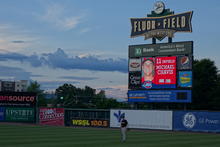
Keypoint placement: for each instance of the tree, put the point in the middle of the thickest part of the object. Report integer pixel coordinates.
(205, 85)
(35, 87)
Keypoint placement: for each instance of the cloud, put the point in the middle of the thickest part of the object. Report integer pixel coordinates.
(85, 30)
(78, 78)
(60, 59)
(51, 85)
(13, 73)
(18, 41)
(58, 15)
(13, 38)
(119, 92)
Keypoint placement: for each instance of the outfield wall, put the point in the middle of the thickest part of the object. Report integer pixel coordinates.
(18, 107)
(199, 121)
(51, 116)
(87, 118)
(143, 119)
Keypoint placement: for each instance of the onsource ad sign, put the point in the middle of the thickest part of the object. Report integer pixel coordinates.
(17, 99)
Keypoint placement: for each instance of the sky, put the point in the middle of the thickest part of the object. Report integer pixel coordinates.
(85, 42)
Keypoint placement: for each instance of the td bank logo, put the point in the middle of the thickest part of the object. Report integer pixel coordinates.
(189, 120)
(138, 52)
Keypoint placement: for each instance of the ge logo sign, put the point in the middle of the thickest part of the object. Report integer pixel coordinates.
(189, 120)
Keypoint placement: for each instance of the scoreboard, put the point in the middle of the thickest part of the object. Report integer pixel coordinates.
(160, 72)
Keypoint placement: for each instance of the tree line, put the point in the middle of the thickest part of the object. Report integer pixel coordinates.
(205, 93)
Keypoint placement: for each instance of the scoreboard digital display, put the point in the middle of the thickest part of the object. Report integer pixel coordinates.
(166, 71)
(159, 72)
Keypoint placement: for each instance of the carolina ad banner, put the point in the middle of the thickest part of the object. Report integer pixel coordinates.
(196, 121)
(51, 116)
(17, 99)
(142, 119)
(20, 114)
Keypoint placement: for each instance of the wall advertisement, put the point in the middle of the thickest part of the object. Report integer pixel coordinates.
(90, 123)
(20, 114)
(142, 119)
(17, 99)
(2, 113)
(51, 116)
(196, 121)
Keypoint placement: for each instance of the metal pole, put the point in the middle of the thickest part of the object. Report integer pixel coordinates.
(153, 40)
(170, 40)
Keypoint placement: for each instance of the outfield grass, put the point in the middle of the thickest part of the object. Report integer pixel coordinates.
(46, 136)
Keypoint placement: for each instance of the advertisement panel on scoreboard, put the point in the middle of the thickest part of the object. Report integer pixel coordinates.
(161, 49)
(134, 81)
(178, 96)
(185, 79)
(159, 72)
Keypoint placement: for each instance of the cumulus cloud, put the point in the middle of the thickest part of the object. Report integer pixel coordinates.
(59, 59)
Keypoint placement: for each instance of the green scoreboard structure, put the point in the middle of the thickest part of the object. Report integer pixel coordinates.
(161, 72)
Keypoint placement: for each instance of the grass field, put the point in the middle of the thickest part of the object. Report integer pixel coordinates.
(12, 135)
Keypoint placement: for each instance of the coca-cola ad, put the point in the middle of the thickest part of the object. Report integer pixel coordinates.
(51, 116)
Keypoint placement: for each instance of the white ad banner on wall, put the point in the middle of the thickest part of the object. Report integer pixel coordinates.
(142, 119)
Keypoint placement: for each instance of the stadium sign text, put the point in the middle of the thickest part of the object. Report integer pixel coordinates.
(160, 27)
